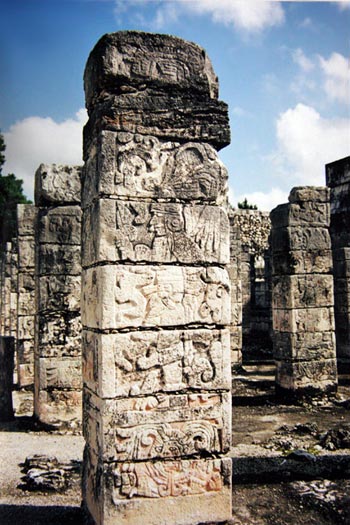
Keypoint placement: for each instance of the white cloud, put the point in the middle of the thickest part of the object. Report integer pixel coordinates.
(337, 77)
(344, 5)
(302, 61)
(307, 142)
(34, 140)
(265, 201)
(251, 16)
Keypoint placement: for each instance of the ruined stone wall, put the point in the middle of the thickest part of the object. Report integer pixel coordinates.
(57, 393)
(13, 293)
(338, 180)
(156, 294)
(26, 217)
(250, 229)
(303, 313)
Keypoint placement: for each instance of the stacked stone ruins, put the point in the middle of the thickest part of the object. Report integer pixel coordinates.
(26, 218)
(58, 383)
(303, 302)
(338, 180)
(155, 290)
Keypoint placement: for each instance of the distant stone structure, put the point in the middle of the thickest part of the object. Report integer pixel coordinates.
(155, 290)
(26, 217)
(338, 180)
(58, 383)
(251, 287)
(303, 312)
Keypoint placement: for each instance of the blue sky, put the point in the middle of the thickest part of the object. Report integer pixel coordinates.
(283, 69)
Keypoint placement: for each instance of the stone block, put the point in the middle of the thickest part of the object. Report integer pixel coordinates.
(303, 238)
(59, 334)
(176, 492)
(144, 167)
(154, 232)
(313, 194)
(57, 373)
(25, 374)
(302, 291)
(58, 405)
(59, 225)
(26, 253)
(302, 262)
(55, 259)
(57, 184)
(158, 61)
(340, 199)
(26, 216)
(25, 328)
(303, 320)
(315, 214)
(338, 172)
(116, 297)
(59, 293)
(157, 427)
(301, 346)
(315, 374)
(25, 351)
(144, 363)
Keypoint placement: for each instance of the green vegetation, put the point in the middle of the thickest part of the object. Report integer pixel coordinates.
(245, 205)
(11, 194)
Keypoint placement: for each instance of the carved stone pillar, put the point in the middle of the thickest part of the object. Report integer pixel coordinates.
(338, 180)
(26, 216)
(57, 393)
(302, 297)
(155, 290)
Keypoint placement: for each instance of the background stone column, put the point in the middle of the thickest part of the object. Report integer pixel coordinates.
(26, 216)
(155, 290)
(303, 313)
(57, 393)
(6, 290)
(234, 270)
(338, 180)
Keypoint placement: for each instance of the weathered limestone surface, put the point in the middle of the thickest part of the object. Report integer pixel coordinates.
(155, 290)
(7, 351)
(338, 180)
(26, 217)
(303, 303)
(58, 384)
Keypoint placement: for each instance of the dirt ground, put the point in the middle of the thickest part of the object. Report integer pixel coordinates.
(291, 463)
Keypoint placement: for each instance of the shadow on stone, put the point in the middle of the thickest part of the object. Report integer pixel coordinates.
(40, 515)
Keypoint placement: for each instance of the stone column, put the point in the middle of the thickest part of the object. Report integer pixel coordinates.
(338, 180)
(234, 270)
(26, 217)
(6, 290)
(155, 290)
(57, 393)
(7, 351)
(303, 312)
(13, 294)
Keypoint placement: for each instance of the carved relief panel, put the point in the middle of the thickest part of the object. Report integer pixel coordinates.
(142, 166)
(143, 363)
(176, 425)
(127, 296)
(155, 232)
